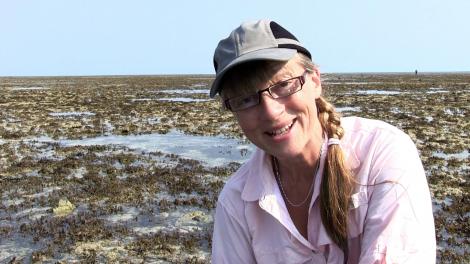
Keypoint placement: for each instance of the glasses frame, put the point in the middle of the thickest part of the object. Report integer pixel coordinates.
(301, 79)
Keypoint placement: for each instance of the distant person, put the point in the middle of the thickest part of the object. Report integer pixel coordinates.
(318, 188)
(416, 72)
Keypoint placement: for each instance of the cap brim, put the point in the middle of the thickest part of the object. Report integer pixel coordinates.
(274, 54)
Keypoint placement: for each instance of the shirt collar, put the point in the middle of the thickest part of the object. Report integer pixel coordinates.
(260, 181)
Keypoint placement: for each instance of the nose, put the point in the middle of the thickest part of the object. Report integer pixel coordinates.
(269, 106)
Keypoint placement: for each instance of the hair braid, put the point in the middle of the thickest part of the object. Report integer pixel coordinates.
(337, 183)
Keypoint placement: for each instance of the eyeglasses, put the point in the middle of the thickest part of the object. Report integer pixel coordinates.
(278, 90)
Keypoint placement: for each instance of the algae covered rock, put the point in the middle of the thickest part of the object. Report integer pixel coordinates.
(65, 207)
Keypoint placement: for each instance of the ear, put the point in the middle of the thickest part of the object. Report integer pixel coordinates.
(315, 77)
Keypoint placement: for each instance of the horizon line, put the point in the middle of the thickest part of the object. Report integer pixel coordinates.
(212, 75)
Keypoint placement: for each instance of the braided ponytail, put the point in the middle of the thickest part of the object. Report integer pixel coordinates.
(337, 181)
(337, 184)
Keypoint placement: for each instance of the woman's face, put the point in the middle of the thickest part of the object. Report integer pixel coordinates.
(285, 127)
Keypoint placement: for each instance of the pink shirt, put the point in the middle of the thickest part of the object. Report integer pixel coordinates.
(388, 223)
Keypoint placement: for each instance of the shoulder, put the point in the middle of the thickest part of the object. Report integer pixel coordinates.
(366, 134)
(244, 184)
(380, 147)
(233, 188)
(355, 125)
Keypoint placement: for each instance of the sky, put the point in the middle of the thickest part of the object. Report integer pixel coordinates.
(139, 37)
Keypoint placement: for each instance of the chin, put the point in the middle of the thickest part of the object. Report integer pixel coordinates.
(287, 153)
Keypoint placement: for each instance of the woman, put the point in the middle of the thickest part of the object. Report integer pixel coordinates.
(319, 188)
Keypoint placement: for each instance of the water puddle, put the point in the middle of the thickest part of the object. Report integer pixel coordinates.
(461, 155)
(212, 150)
(28, 88)
(438, 91)
(378, 92)
(438, 203)
(352, 83)
(10, 248)
(71, 114)
(454, 112)
(185, 91)
(142, 99)
(348, 109)
(182, 99)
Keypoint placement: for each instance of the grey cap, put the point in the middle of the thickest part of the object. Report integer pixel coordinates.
(254, 40)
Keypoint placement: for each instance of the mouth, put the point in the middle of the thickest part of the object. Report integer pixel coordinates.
(281, 131)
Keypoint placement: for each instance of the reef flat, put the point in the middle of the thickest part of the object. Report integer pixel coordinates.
(128, 168)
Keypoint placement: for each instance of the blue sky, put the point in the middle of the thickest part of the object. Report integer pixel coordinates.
(113, 37)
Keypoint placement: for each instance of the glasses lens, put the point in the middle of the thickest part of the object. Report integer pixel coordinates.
(285, 88)
(243, 102)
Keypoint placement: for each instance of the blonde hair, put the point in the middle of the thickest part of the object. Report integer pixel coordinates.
(337, 181)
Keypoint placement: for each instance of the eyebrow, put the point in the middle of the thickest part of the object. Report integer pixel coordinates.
(284, 76)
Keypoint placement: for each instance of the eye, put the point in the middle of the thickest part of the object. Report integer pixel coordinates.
(243, 102)
(284, 88)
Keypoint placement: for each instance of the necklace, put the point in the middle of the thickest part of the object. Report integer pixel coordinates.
(278, 178)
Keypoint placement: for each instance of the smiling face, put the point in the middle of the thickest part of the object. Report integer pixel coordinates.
(285, 127)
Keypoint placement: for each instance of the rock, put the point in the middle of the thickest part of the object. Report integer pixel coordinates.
(64, 208)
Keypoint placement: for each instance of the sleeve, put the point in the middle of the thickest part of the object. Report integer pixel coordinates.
(231, 241)
(399, 224)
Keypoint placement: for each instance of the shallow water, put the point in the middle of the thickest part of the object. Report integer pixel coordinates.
(185, 91)
(212, 150)
(182, 99)
(379, 92)
(348, 109)
(461, 155)
(29, 88)
(71, 114)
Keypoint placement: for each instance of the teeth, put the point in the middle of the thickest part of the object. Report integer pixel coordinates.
(281, 131)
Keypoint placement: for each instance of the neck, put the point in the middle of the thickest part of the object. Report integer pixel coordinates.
(302, 165)
(295, 186)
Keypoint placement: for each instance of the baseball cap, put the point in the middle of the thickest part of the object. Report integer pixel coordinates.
(254, 40)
